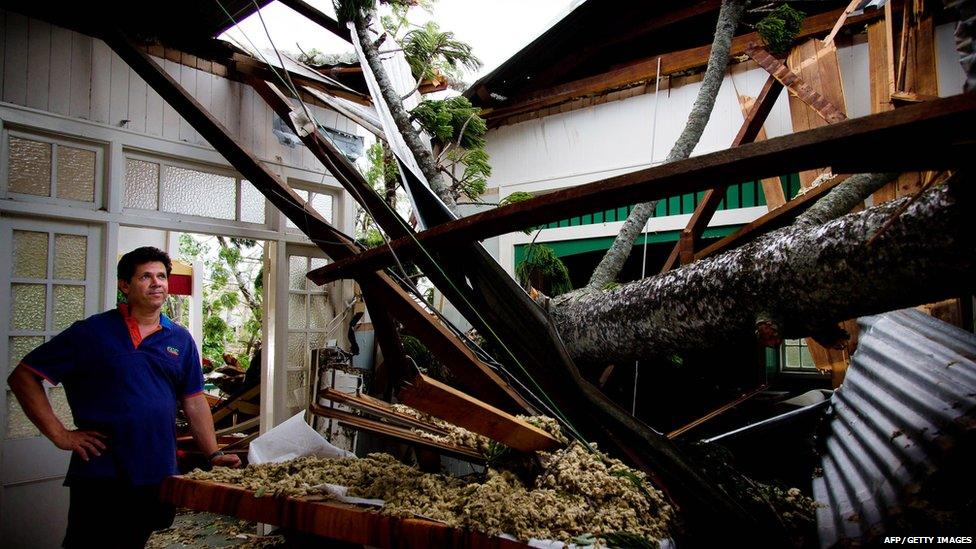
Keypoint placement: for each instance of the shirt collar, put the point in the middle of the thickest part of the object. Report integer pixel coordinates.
(164, 320)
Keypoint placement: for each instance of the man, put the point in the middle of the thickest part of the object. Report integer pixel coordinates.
(124, 371)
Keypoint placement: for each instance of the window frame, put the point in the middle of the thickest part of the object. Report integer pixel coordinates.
(56, 141)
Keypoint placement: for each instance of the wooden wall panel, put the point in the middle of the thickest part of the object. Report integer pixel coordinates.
(171, 120)
(79, 85)
(118, 109)
(3, 46)
(138, 97)
(15, 60)
(101, 81)
(187, 79)
(204, 89)
(59, 96)
(38, 63)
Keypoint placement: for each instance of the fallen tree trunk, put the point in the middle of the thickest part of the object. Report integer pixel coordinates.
(802, 279)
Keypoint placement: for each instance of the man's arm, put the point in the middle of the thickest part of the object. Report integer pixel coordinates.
(201, 425)
(29, 390)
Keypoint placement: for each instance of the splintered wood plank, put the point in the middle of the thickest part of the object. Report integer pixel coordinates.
(817, 66)
(330, 519)
(378, 408)
(447, 403)
(399, 433)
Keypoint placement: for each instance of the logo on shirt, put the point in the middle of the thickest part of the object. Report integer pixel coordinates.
(173, 351)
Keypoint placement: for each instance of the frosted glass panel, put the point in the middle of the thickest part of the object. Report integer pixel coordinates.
(319, 312)
(316, 263)
(198, 193)
(60, 404)
(29, 167)
(252, 203)
(297, 268)
(70, 256)
(69, 305)
(296, 351)
(30, 254)
(304, 195)
(18, 426)
(76, 174)
(141, 185)
(28, 310)
(20, 346)
(296, 311)
(323, 204)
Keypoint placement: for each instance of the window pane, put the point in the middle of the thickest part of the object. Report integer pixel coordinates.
(323, 204)
(297, 268)
(304, 195)
(30, 254)
(28, 310)
(316, 263)
(29, 167)
(806, 359)
(70, 256)
(792, 357)
(141, 185)
(18, 426)
(193, 192)
(296, 311)
(295, 358)
(76, 174)
(69, 305)
(19, 346)
(252, 203)
(319, 312)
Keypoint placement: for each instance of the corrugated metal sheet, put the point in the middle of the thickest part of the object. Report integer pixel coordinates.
(906, 409)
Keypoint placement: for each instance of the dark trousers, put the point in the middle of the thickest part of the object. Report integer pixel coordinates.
(113, 514)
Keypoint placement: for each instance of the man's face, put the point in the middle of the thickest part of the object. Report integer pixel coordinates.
(148, 287)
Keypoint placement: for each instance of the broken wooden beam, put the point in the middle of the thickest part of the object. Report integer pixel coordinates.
(401, 434)
(800, 89)
(447, 403)
(772, 220)
(378, 408)
(943, 122)
(316, 16)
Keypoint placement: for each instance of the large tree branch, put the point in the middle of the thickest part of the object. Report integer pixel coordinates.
(807, 277)
(718, 60)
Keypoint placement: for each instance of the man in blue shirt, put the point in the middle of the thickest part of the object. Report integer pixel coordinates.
(124, 373)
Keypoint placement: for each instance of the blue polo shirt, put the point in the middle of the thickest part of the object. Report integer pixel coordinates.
(124, 386)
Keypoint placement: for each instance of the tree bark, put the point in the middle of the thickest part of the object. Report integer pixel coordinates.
(718, 60)
(425, 159)
(806, 276)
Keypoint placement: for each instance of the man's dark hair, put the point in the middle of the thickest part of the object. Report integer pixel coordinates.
(139, 256)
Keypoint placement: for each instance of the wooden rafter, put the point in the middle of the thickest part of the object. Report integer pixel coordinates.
(944, 123)
(707, 206)
(385, 292)
(645, 70)
(380, 409)
(453, 406)
(316, 16)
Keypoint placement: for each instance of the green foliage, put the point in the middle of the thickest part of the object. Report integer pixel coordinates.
(611, 286)
(779, 28)
(372, 238)
(455, 124)
(381, 167)
(222, 298)
(517, 196)
(543, 270)
(431, 51)
(353, 10)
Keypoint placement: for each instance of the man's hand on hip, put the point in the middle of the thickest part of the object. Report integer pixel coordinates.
(83, 443)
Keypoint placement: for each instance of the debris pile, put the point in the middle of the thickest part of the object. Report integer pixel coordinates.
(579, 493)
